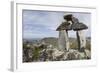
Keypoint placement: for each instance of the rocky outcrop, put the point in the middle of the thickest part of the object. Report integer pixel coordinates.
(46, 51)
(62, 55)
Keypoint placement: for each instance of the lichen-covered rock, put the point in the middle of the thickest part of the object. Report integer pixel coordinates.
(59, 55)
(49, 53)
(76, 55)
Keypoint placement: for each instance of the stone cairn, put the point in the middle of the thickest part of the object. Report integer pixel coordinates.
(71, 23)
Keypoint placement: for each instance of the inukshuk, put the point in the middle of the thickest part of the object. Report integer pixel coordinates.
(71, 23)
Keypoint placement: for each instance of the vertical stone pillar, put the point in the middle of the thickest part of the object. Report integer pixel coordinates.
(81, 40)
(67, 41)
(63, 41)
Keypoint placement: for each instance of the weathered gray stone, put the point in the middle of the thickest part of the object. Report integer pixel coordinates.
(64, 26)
(71, 23)
(81, 40)
(63, 40)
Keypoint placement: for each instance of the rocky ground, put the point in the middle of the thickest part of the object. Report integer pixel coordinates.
(43, 52)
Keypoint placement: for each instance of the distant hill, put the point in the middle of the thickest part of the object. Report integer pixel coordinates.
(51, 40)
(54, 41)
(73, 42)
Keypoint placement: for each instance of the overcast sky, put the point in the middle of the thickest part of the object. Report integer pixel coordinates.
(40, 24)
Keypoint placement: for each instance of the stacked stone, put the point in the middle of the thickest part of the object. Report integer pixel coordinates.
(71, 23)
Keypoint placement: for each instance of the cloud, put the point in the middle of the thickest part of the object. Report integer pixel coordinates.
(44, 23)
